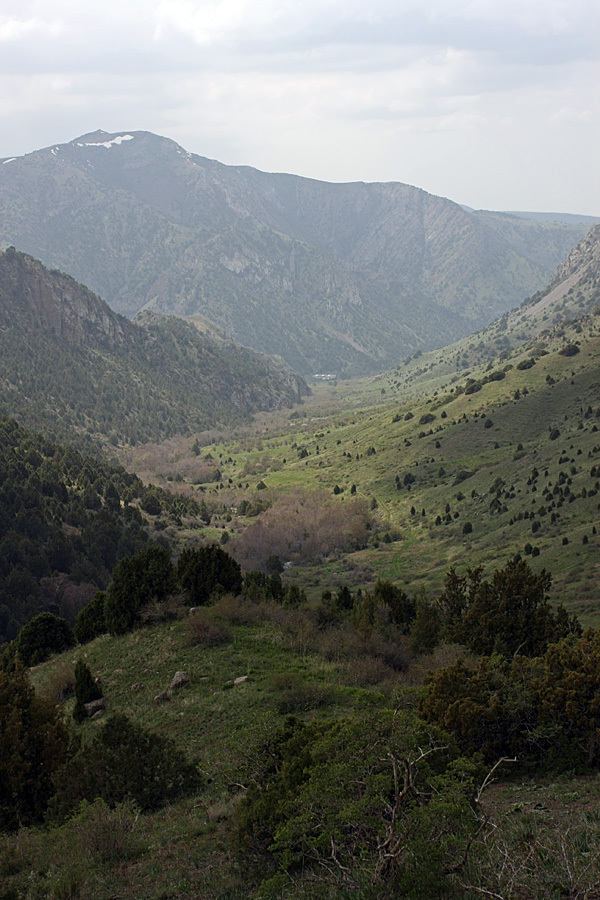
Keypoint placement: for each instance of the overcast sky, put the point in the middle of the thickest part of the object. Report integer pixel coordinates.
(492, 103)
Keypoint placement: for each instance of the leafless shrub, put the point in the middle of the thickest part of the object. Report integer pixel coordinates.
(365, 671)
(295, 695)
(167, 611)
(203, 632)
(103, 834)
(239, 611)
(302, 528)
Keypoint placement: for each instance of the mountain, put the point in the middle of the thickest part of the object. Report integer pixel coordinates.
(570, 298)
(71, 366)
(344, 278)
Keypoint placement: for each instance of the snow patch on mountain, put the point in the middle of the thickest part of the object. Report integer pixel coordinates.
(114, 142)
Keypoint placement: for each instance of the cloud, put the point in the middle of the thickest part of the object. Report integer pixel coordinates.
(439, 95)
(14, 29)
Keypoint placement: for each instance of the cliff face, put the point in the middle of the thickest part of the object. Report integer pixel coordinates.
(583, 261)
(55, 303)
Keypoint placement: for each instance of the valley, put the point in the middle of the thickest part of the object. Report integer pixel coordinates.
(515, 460)
(269, 635)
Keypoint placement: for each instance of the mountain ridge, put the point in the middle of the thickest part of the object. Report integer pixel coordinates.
(349, 277)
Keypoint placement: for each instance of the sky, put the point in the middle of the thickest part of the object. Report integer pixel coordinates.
(492, 103)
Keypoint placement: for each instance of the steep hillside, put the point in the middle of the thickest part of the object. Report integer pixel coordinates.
(65, 521)
(71, 366)
(571, 296)
(333, 277)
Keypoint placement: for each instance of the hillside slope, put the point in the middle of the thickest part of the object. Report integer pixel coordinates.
(71, 366)
(333, 277)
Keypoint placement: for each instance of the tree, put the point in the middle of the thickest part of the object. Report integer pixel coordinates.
(44, 635)
(137, 580)
(401, 607)
(201, 571)
(259, 587)
(33, 744)
(91, 621)
(426, 628)
(509, 614)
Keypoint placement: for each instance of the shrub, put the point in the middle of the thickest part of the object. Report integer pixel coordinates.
(104, 769)
(295, 695)
(489, 707)
(569, 350)
(401, 822)
(526, 363)
(204, 633)
(201, 571)
(44, 635)
(102, 834)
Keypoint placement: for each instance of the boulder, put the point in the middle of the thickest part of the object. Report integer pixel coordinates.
(179, 680)
(94, 706)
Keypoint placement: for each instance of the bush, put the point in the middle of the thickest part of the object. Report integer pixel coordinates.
(569, 350)
(44, 635)
(204, 633)
(125, 762)
(401, 822)
(526, 363)
(101, 834)
(200, 572)
(489, 707)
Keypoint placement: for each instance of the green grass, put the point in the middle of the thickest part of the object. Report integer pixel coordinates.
(345, 436)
